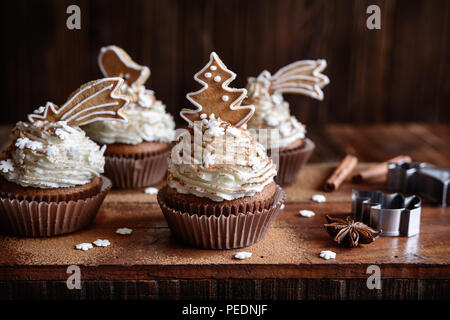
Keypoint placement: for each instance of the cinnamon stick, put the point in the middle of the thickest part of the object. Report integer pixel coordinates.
(379, 170)
(342, 171)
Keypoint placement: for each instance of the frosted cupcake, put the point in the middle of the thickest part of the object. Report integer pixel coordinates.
(220, 191)
(50, 174)
(136, 151)
(265, 92)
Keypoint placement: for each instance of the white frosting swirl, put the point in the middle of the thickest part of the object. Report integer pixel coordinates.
(51, 155)
(230, 163)
(272, 112)
(147, 121)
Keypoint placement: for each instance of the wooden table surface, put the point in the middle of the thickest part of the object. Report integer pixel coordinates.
(150, 264)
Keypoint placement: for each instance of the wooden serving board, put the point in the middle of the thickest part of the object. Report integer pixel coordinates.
(150, 263)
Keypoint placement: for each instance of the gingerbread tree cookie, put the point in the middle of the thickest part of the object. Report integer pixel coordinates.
(95, 100)
(301, 77)
(216, 97)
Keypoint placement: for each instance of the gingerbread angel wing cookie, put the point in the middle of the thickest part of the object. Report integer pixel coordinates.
(115, 62)
(95, 100)
(301, 77)
(216, 97)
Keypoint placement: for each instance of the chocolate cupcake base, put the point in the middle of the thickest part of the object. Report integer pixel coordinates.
(291, 161)
(46, 219)
(204, 206)
(138, 171)
(223, 231)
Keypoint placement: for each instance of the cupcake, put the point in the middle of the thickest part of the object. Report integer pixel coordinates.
(136, 151)
(220, 191)
(265, 92)
(50, 173)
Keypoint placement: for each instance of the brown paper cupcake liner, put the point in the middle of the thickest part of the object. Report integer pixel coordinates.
(221, 232)
(291, 162)
(136, 172)
(46, 219)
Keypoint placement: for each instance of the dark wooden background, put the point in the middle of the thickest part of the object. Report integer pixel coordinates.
(396, 74)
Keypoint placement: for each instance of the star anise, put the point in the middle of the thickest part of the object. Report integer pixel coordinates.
(350, 233)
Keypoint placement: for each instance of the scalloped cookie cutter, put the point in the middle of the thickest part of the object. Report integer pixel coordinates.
(393, 214)
(417, 178)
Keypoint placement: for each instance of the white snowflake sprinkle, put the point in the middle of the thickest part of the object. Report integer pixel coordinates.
(225, 98)
(101, 243)
(6, 166)
(84, 246)
(151, 190)
(21, 142)
(61, 133)
(214, 131)
(307, 213)
(124, 231)
(65, 126)
(217, 78)
(327, 254)
(233, 131)
(319, 198)
(243, 255)
(35, 145)
(51, 150)
(208, 159)
(282, 207)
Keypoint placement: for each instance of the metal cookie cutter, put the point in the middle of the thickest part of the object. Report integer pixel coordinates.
(417, 178)
(393, 214)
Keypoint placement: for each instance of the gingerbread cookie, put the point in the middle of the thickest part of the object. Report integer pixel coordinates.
(302, 77)
(95, 100)
(115, 62)
(216, 96)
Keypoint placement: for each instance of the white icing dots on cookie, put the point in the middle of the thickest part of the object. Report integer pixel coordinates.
(225, 98)
(217, 78)
(208, 75)
(213, 68)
